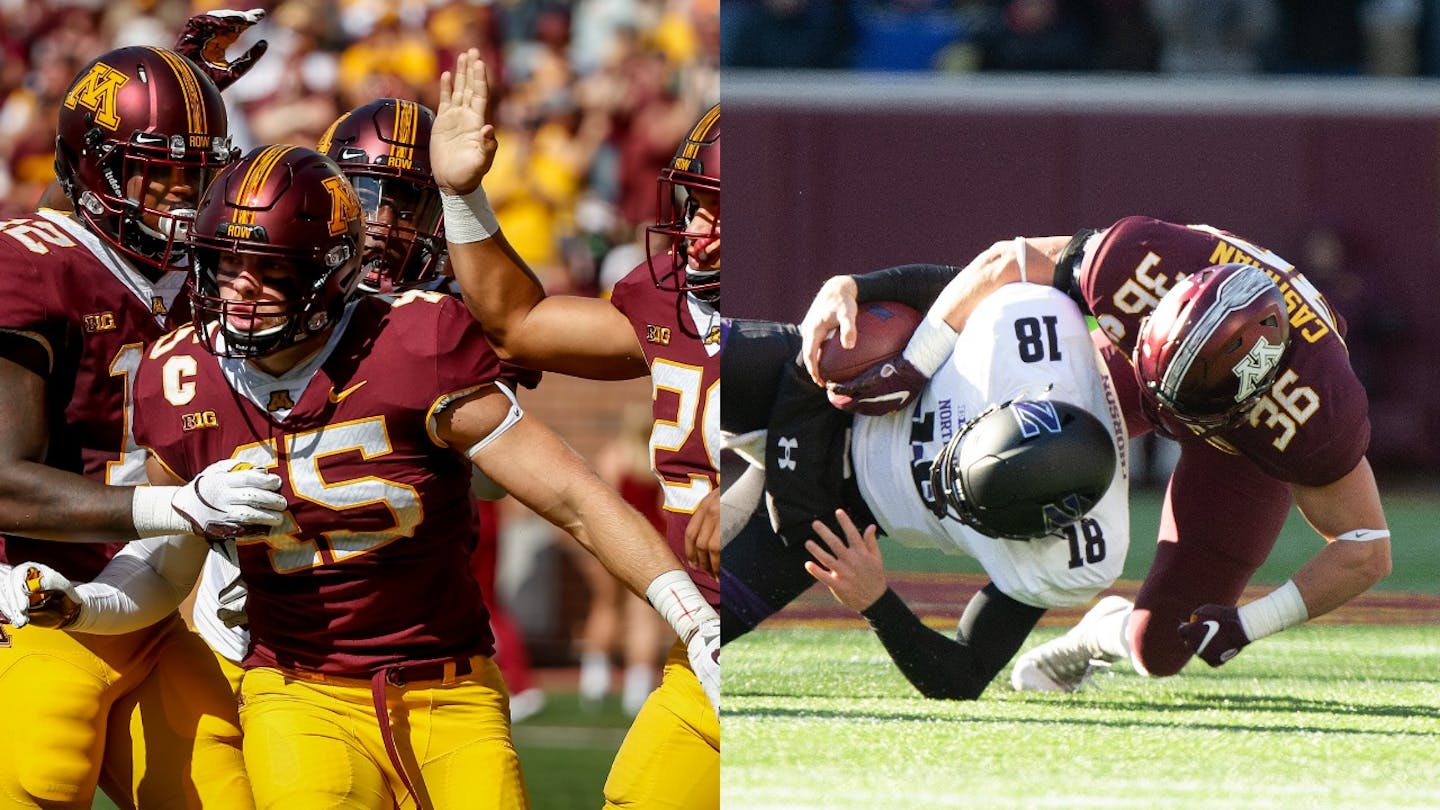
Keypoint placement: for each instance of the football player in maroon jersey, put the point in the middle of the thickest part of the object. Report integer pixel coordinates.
(1226, 347)
(662, 320)
(140, 132)
(369, 641)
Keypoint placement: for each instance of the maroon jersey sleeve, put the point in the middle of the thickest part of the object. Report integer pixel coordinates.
(371, 564)
(78, 322)
(684, 365)
(1314, 426)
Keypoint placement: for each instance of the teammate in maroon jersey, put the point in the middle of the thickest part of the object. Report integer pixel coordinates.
(140, 131)
(1226, 347)
(361, 601)
(662, 320)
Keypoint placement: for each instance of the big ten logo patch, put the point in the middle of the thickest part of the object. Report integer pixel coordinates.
(99, 322)
(198, 420)
(657, 334)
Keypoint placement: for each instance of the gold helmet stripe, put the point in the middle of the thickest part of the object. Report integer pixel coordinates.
(407, 124)
(255, 176)
(190, 89)
(323, 146)
(697, 137)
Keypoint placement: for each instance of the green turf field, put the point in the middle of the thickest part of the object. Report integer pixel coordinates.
(1327, 715)
(1335, 716)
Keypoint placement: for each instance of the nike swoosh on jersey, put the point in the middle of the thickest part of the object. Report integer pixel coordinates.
(336, 397)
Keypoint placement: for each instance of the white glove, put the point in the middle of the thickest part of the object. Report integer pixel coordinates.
(227, 499)
(35, 593)
(703, 649)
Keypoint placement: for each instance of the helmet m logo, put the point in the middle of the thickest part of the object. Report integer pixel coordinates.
(1035, 417)
(1256, 367)
(97, 91)
(344, 204)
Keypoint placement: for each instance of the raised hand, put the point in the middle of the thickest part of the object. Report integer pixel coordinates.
(1214, 633)
(206, 37)
(462, 140)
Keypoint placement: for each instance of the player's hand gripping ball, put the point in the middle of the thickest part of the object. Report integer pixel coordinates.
(872, 378)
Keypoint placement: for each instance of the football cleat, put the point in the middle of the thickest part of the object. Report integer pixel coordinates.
(1067, 663)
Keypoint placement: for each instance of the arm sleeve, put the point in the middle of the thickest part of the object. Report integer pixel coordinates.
(141, 585)
(915, 285)
(991, 631)
(1067, 264)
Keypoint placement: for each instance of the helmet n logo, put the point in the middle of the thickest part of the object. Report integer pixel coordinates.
(1034, 416)
(344, 204)
(97, 91)
(1256, 367)
(1064, 512)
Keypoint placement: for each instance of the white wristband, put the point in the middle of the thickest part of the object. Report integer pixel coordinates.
(468, 218)
(1273, 612)
(153, 515)
(1364, 535)
(932, 343)
(676, 598)
(1020, 244)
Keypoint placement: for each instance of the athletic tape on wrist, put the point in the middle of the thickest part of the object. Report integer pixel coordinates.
(676, 598)
(152, 513)
(468, 217)
(933, 341)
(1273, 612)
(1020, 244)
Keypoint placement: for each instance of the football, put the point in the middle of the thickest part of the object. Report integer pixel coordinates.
(882, 330)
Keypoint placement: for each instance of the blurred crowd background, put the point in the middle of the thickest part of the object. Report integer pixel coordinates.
(593, 96)
(1378, 37)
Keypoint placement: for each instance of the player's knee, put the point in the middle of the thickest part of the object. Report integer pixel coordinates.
(1154, 651)
(55, 783)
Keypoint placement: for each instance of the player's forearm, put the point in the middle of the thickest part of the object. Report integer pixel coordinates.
(129, 594)
(1342, 570)
(1005, 262)
(500, 290)
(43, 502)
(940, 667)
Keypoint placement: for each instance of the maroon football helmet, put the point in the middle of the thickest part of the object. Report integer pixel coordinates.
(140, 134)
(279, 202)
(695, 167)
(1213, 346)
(384, 148)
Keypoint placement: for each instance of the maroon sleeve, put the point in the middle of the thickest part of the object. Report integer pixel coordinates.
(29, 315)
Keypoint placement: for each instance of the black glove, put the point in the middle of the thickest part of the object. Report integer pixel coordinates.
(206, 37)
(1214, 633)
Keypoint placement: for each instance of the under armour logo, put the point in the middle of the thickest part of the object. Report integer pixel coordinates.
(786, 445)
(1256, 366)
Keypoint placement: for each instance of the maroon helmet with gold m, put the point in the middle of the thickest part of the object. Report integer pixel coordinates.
(695, 168)
(141, 131)
(286, 203)
(384, 148)
(1213, 346)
